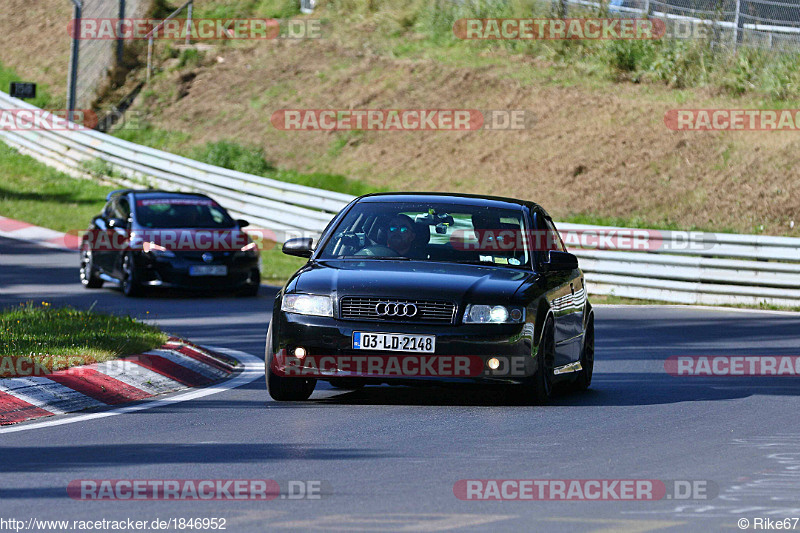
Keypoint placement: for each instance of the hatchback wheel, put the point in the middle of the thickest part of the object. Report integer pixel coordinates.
(131, 286)
(89, 277)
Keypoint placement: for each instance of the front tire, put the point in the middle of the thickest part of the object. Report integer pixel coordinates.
(283, 389)
(131, 285)
(251, 289)
(89, 278)
(542, 381)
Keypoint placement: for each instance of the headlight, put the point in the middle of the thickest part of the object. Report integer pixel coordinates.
(493, 314)
(157, 250)
(307, 304)
(250, 250)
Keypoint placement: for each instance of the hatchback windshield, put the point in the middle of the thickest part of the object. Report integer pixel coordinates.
(451, 232)
(182, 213)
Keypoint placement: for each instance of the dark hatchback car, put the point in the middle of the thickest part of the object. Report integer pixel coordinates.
(149, 238)
(421, 288)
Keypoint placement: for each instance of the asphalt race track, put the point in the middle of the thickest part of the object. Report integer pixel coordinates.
(389, 457)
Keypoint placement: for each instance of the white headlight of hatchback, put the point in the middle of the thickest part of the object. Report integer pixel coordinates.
(307, 304)
(493, 314)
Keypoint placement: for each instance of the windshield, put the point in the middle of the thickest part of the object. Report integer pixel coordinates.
(430, 231)
(182, 213)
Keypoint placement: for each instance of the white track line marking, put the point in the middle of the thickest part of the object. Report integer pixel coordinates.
(253, 368)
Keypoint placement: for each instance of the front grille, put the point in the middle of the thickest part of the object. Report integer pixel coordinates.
(355, 308)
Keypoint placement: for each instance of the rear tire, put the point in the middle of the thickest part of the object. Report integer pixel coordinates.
(89, 278)
(283, 389)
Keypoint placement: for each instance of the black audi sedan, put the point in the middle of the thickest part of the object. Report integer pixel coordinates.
(150, 238)
(418, 288)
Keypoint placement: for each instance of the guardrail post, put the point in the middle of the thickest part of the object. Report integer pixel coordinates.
(72, 86)
(647, 8)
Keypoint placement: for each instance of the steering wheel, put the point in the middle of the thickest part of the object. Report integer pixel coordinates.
(377, 250)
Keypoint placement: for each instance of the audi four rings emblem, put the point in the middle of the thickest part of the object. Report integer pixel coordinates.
(395, 309)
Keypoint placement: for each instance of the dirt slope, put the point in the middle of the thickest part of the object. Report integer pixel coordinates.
(599, 150)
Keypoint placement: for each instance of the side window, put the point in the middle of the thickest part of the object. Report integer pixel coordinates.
(554, 241)
(122, 209)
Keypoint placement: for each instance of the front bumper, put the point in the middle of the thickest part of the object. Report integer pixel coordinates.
(173, 272)
(461, 355)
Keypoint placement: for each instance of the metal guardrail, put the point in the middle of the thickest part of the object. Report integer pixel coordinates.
(712, 268)
(270, 203)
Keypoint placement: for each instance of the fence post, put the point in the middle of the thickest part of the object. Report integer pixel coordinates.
(72, 86)
(120, 40)
(189, 22)
(647, 8)
(738, 25)
(149, 58)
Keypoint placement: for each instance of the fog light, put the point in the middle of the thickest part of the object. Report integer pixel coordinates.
(493, 363)
(299, 352)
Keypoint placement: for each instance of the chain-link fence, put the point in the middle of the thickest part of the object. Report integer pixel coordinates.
(772, 24)
(97, 56)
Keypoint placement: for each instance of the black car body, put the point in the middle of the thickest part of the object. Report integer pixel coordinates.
(149, 238)
(513, 311)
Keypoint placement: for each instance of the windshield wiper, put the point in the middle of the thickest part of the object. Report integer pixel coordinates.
(360, 257)
(485, 263)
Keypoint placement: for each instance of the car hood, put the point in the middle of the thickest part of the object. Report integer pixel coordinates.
(411, 280)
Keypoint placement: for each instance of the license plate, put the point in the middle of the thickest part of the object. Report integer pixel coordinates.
(208, 270)
(394, 342)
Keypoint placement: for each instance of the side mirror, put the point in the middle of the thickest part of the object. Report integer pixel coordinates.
(300, 247)
(117, 223)
(560, 261)
(242, 223)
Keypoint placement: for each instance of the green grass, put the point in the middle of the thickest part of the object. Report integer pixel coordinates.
(252, 160)
(59, 338)
(611, 299)
(276, 267)
(242, 158)
(7, 75)
(38, 194)
(424, 29)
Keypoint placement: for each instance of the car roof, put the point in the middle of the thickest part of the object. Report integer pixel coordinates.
(443, 197)
(155, 193)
